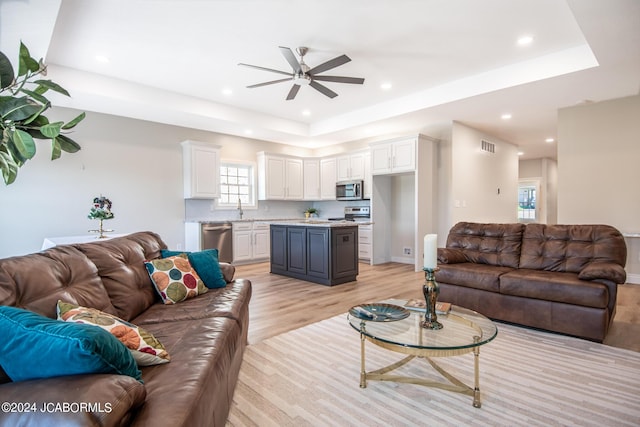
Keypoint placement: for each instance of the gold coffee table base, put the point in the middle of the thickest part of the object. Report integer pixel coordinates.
(455, 385)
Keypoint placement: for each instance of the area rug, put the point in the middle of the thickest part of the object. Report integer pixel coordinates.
(310, 377)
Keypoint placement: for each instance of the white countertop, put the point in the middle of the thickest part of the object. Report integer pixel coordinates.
(319, 222)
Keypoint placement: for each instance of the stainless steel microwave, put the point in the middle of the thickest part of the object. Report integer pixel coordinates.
(349, 190)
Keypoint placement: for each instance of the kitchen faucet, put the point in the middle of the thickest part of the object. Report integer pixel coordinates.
(240, 207)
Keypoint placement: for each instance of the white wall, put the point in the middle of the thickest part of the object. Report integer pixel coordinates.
(598, 173)
(484, 186)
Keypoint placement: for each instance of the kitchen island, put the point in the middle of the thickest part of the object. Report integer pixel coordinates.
(324, 252)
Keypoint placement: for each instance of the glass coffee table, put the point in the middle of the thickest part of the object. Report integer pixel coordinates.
(464, 331)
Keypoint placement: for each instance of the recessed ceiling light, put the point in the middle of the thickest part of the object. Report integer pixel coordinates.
(227, 92)
(385, 86)
(525, 40)
(248, 131)
(549, 140)
(505, 116)
(102, 58)
(520, 153)
(306, 112)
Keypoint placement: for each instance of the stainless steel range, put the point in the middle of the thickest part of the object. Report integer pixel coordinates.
(355, 213)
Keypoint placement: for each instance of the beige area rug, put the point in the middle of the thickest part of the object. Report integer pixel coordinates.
(310, 377)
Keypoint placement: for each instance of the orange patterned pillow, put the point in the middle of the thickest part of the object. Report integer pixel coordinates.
(144, 347)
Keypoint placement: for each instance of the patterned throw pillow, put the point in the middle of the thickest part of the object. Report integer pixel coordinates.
(175, 279)
(144, 347)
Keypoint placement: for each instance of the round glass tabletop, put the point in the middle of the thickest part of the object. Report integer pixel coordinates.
(462, 328)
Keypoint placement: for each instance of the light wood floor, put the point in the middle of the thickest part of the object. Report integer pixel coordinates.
(280, 304)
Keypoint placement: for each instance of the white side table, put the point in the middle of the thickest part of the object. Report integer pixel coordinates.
(50, 242)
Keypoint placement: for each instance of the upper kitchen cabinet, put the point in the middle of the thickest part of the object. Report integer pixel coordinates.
(311, 168)
(328, 178)
(280, 177)
(201, 169)
(351, 166)
(395, 156)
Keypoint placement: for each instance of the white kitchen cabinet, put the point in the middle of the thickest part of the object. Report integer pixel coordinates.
(328, 178)
(250, 241)
(350, 166)
(393, 156)
(368, 178)
(365, 233)
(311, 168)
(279, 177)
(201, 170)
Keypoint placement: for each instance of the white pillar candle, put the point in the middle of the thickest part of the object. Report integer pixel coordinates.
(430, 251)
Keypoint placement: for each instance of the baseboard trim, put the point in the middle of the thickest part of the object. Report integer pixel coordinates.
(633, 279)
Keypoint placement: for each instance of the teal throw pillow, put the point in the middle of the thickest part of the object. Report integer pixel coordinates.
(34, 346)
(205, 263)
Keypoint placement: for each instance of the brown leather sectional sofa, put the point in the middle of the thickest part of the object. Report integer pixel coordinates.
(205, 337)
(561, 278)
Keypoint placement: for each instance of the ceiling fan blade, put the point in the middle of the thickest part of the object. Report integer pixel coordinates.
(270, 83)
(293, 92)
(339, 79)
(332, 63)
(322, 89)
(266, 69)
(291, 59)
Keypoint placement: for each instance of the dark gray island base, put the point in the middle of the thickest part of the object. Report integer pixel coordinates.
(315, 252)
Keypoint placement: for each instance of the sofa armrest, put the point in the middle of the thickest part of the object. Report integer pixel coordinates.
(76, 400)
(228, 271)
(603, 270)
(450, 256)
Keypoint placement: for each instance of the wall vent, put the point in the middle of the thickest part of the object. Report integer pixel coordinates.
(489, 147)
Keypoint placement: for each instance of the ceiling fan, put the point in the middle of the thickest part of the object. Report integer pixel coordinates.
(304, 75)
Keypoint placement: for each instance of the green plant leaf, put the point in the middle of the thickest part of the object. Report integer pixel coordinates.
(17, 109)
(9, 168)
(24, 144)
(51, 130)
(56, 150)
(67, 144)
(38, 97)
(74, 122)
(6, 71)
(26, 63)
(48, 84)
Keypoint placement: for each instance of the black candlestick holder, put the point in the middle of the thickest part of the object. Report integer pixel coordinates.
(431, 291)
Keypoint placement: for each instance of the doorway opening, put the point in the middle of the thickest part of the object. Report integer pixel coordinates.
(528, 206)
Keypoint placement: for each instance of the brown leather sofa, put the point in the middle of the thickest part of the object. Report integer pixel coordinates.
(205, 337)
(561, 278)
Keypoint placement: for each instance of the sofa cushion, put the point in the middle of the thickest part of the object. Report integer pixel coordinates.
(479, 276)
(230, 301)
(120, 263)
(175, 279)
(206, 357)
(553, 286)
(34, 346)
(569, 248)
(205, 263)
(144, 347)
(37, 281)
(494, 244)
(110, 401)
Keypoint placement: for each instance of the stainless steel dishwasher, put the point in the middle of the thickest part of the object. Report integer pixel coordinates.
(218, 235)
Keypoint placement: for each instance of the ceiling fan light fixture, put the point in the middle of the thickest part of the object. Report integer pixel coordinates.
(301, 79)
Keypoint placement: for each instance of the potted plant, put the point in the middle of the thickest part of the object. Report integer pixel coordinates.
(310, 211)
(101, 210)
(22, 104)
